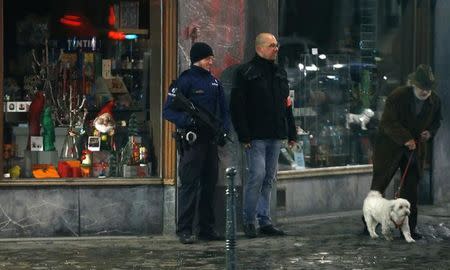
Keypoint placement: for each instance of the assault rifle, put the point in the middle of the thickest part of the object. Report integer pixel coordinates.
(200, 116)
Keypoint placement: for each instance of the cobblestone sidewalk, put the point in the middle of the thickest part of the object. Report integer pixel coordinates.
(332, 241)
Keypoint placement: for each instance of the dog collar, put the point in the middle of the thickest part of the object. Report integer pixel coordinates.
(398, 225)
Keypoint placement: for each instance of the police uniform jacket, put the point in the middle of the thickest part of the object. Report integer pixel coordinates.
(204, 90)
(259, 102)
(399, 124)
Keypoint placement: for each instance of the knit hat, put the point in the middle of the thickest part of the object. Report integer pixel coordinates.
(199, 51)
(423, 77)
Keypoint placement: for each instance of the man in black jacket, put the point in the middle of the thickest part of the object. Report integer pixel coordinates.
(261, 113)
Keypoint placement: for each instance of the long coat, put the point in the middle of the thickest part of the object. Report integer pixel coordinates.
(399, 124)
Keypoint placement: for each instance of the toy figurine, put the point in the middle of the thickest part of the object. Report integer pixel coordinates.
(360, 119)
(135, 152)
(104, 126)
(86, 163)
(103, 171)
(104, 122)
(143, 154)
(86, 160)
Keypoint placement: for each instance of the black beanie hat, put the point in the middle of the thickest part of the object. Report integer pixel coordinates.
(199, 51)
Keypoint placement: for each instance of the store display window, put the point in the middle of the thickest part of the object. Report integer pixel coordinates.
(342, 60)
(76, 90)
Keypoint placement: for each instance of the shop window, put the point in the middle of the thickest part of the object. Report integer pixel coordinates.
(340, 69)
(76, 89)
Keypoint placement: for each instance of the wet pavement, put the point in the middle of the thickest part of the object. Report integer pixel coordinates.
(331, 241)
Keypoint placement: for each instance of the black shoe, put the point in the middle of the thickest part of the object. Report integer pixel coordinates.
(365, 231)
(271, 230)
(416, 235)
(250, 230)
(210, 236)
(186, 238)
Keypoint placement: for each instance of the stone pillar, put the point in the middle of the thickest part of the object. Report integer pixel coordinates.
(169, 210)
(232, 40)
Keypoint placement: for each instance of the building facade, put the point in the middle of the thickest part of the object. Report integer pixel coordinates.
(112, 171)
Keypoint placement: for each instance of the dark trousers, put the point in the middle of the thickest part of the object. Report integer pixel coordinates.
(409, 189)
(198, 171)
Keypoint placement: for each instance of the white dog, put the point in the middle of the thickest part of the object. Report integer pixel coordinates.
(360, 119)
(390, 213)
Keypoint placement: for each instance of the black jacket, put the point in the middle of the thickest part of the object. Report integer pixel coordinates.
(259, 102)
(202, 89)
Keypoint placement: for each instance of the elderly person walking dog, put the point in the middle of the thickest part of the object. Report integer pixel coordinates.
(411, 117)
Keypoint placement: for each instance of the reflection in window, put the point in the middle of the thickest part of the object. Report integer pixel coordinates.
(340, 68)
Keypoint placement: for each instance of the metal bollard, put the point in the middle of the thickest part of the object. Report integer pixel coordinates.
(230, 243)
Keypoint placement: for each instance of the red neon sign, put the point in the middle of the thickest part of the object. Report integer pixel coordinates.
(71, 20)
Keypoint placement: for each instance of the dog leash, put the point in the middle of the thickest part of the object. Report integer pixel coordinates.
(402, 180)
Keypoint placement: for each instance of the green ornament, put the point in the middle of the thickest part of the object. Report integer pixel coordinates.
(133, 125)
(49, 129)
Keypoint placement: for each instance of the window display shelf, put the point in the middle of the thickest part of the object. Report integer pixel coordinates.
(82, 182)
(136, 31)
(328, 171)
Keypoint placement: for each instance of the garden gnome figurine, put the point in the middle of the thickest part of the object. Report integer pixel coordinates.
(104, 122)
(104, 126)
(49, 130)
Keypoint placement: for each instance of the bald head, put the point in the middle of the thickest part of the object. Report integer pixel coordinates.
(263, 38)
(266, 46)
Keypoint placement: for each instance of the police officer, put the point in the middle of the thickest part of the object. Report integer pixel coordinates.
(198, 165)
